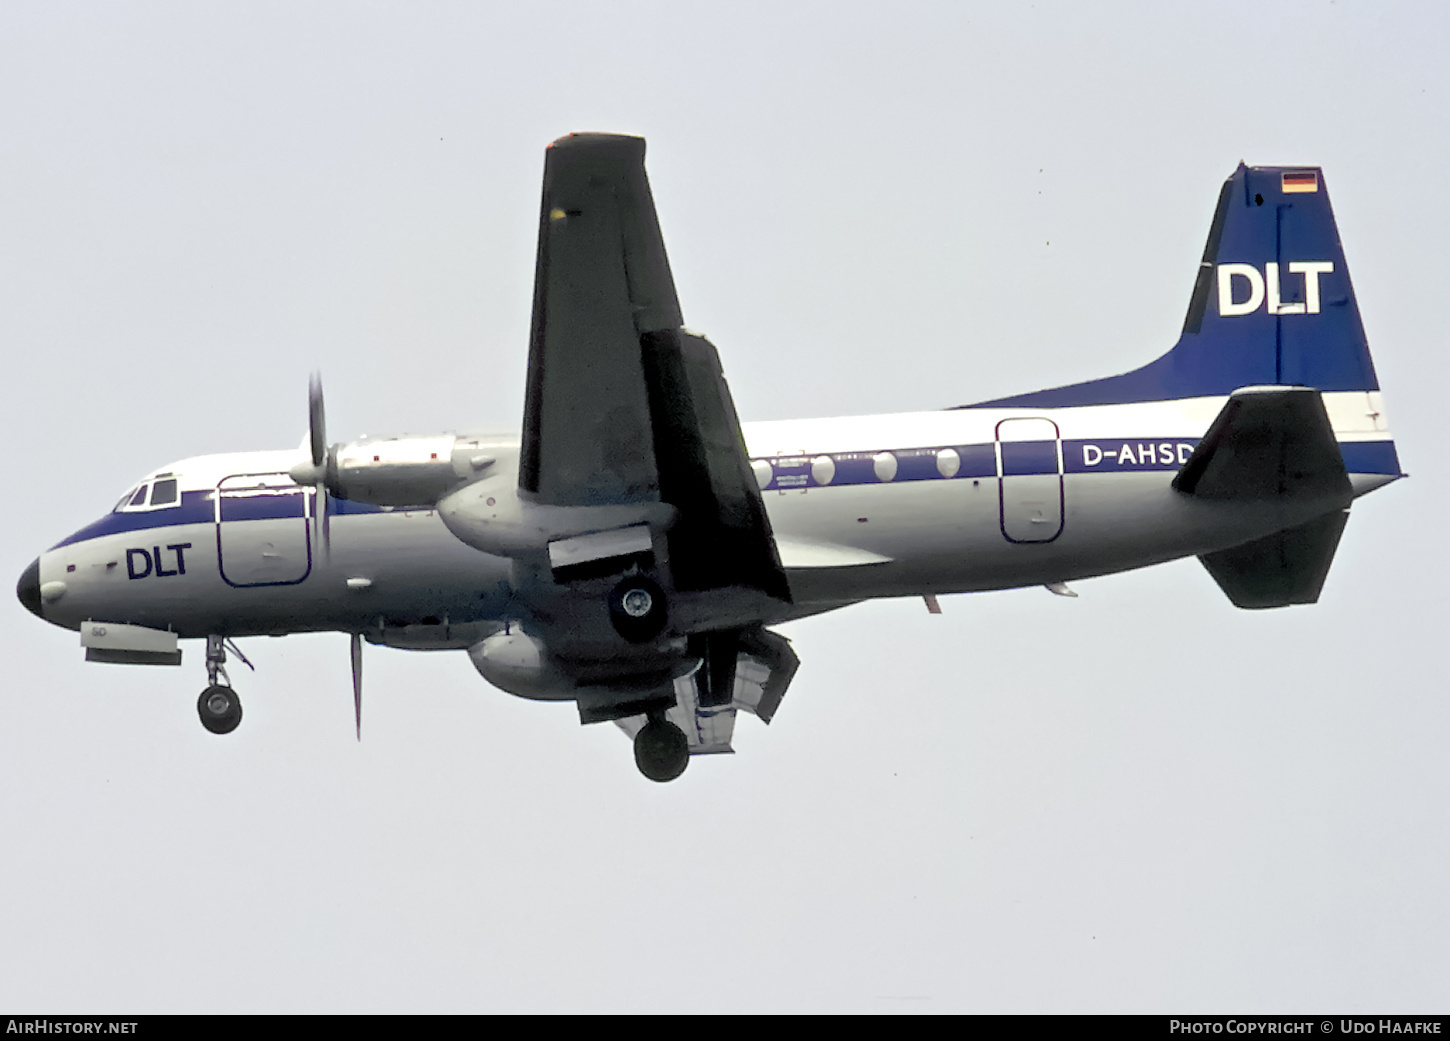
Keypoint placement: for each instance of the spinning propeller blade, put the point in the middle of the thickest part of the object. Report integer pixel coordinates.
(357, 680)
(316, 420)
(317, 439)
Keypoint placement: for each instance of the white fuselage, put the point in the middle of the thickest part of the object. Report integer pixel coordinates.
(863, 507)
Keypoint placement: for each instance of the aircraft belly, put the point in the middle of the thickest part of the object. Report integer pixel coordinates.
(947, 536)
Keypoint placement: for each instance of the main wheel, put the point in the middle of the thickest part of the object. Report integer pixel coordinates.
(219, 708)
(661, 751)
(637, 609)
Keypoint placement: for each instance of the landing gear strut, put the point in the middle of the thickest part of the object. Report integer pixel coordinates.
(219, 707)
(660, 749)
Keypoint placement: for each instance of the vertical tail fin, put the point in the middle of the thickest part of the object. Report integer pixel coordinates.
(1272, 303)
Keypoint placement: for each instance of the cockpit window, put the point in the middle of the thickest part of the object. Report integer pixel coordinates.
(158, 492)
(163, 493)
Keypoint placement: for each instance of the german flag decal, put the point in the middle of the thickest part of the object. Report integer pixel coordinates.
(1302, 181)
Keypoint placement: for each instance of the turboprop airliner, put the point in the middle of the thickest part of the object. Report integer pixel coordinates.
(634, 548)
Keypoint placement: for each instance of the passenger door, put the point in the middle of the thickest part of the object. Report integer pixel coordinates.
(1029, 471)
(263, 537)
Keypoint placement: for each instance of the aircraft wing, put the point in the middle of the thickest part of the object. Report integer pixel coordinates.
(623, 405)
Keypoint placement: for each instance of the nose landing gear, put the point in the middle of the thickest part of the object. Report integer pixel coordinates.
(219, 707)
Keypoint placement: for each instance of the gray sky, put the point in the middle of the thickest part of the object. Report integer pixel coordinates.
(1139, 800)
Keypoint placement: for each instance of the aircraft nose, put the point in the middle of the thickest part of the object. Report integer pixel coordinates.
(28, 588)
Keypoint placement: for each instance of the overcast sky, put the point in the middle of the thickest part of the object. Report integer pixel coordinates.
(1139, 800)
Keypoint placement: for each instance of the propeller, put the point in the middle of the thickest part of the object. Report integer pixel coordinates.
(357, 680)
(314, 470)
(316, 420)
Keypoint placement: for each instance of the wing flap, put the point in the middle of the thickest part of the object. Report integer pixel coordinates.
(723, 536)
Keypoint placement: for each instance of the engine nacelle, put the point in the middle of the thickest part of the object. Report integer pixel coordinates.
(490, 515)
(518, 663)
(398, 471)
(522, 665)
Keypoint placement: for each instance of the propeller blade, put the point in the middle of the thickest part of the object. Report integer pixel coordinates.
(317, 438)
(357, 680)
(316, 420)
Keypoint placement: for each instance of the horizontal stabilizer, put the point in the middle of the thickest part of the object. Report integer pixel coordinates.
(1288, 567)
(1268, 443)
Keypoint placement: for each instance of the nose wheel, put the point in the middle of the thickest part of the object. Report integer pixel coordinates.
(220, 709)
(218, 706)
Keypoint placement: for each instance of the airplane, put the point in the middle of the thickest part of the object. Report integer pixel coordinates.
(634, 547)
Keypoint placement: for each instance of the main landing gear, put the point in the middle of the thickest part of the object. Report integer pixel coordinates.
(219, 707)
(637, 608)
(660, 749)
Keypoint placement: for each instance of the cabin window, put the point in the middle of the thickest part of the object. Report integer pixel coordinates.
(163, 493)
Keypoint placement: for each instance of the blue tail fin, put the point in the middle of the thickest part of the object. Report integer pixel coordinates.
(1272, 304)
